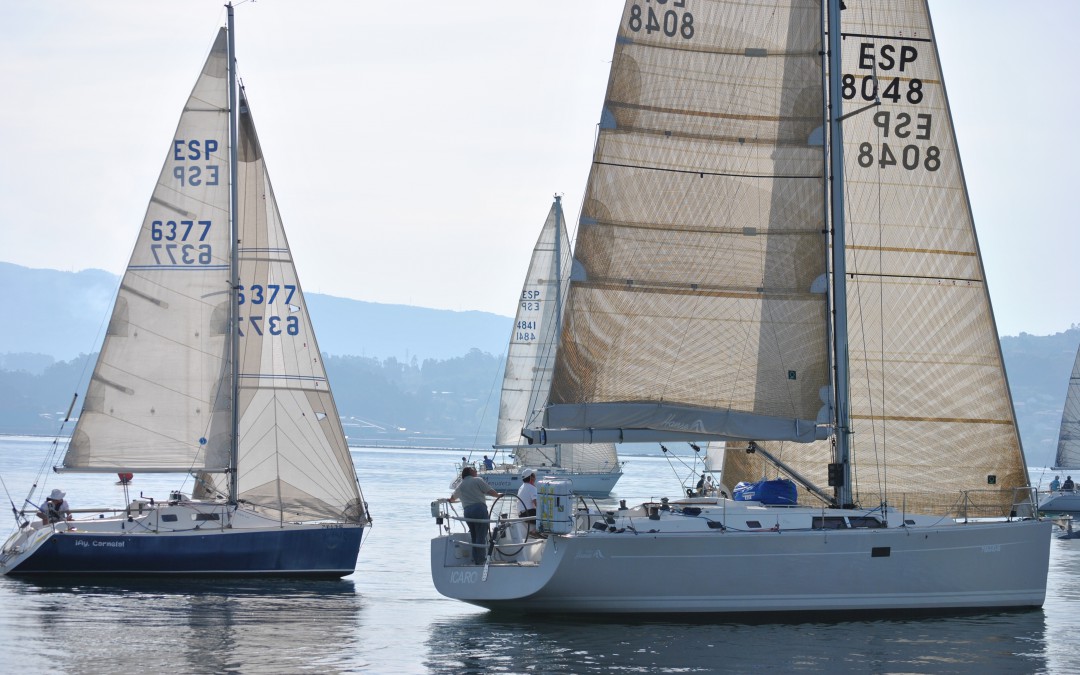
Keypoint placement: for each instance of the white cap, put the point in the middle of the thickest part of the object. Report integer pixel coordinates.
(526, 473)
(57, 494)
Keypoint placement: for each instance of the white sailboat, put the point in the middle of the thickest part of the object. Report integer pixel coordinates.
(1067, 460)
(209, 367)
(594, 469)
(777, 251)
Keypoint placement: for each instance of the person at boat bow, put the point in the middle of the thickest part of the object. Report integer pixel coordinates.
(56, 508)
(1068, 485)
(473, 491)
(1055, 484)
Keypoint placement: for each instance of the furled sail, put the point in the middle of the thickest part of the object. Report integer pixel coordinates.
(531, 353)
(929, 397)
(150, 404)
(701, 308)
(1068, 450)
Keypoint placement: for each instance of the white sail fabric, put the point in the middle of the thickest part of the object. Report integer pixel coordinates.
(1068, 449)
(293, 454)
(702, 309)
(929, 398)
(531, 353)
(150, 403)
(162, 395)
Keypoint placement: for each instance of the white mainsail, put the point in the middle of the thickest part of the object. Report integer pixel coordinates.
(161, 397)
(1068, 449)
(150, 404)
(531, 353)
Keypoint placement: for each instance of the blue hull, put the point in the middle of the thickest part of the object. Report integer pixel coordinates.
(309, 552)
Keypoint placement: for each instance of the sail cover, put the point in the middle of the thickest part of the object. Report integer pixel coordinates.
(1068, 450)
(930, 405)
(531, 353)
(150, 402)
(701, 310)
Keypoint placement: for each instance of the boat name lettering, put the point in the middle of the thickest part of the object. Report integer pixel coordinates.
(696, 426)
(97, 544)
(992, 548)
(671, 22)
(332, 526)
(589, 554)
(273, 325)
(460, 577)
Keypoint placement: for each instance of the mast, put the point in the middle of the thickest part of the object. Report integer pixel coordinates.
(842, 453)
(234, 268)
(558, 294)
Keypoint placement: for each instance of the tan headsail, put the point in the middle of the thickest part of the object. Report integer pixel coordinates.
(702, 309)
(930, 406)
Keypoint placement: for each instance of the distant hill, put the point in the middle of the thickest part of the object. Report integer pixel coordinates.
(383, 372)
(62, 315)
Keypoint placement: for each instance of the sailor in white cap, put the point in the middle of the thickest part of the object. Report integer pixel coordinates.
(56, 508)
(527, 496)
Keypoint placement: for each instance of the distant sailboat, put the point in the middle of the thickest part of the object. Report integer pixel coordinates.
(593, 468)
(1067, 459)
(760, 267)
(209, 367)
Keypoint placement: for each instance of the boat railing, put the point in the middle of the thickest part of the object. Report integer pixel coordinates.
(988, 504)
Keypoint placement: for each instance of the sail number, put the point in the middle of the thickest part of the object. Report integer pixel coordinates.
(655, 17)
(268, 294)
(900, 131)
(180, 231)
(531, 301)
(192, 151)
(271, 325)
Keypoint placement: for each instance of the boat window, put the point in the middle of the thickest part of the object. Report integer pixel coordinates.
(830, 523)
(864, 521)
(169, 517)
(204, 516)
(753, 524)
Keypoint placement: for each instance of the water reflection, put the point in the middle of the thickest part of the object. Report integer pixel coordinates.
(196, 626)
(481, 643)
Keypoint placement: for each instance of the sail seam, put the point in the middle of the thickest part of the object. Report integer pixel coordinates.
(709, 173)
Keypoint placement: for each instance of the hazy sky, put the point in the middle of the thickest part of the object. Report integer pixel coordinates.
(415, 146)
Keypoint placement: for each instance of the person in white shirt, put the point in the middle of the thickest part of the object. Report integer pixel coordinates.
(56, 508)
(527, 496)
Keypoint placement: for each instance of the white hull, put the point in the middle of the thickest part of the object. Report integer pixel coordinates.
(585, 483)
(678, 564)
(1060, 502)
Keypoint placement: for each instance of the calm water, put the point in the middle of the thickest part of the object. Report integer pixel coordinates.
(387, 617)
